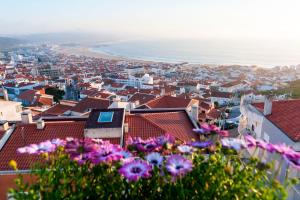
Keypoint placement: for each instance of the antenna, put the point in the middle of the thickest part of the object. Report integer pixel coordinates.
(22, 135)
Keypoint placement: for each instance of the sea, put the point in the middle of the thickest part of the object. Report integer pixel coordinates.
(262, 53)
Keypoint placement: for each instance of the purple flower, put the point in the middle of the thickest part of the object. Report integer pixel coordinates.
(264, 145)
(177, 165)
(143, 145)
(208, 128)
(234, 143)
(79, 150)
(200, 131)
(162, 140)
(106, 154)
(201, 144)
(185, 149)
(282, 149)
(251, 141)
(155, 159)
(147, 146)
(292, 162)
(135, 170)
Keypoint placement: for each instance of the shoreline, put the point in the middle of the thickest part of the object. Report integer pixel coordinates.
(86, 51)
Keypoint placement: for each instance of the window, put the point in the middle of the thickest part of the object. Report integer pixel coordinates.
(105, 117)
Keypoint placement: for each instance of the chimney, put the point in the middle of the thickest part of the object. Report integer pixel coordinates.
(5, 94)
(126, 128)
(40, 124)
(268, 106)
(132, 106)
(195, 112)
(163, 91)
(26, 117)
(4, 125)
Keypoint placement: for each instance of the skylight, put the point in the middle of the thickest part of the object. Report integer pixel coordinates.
(105, 117)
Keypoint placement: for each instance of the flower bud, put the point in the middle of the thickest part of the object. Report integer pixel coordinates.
(13, 164)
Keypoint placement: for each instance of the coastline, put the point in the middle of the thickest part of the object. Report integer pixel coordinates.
(86, 51)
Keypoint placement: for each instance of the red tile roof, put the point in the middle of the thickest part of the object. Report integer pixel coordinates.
(141, 97)
(45, 100)
(213, 114)
(147, 125)
(221, 94)
(33, 135)
(286, 116)
(28, 95)
(170, 102)
(90, 103)
(139, 126)
(1, 134)
(204, 105)
(56, 110)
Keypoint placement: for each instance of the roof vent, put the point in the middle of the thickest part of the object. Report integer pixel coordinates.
(40, 124)
(26, 117)
(126, 128)
(105, 117)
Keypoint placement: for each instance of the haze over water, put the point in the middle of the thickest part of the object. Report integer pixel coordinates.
(208, 51)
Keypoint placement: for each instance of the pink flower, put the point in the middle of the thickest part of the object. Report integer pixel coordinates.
(135, 170)
(178, 165)
(251, 141)
(43, 147)
(106, 153)
(223, 133)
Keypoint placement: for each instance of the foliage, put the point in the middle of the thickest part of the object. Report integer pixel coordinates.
(57, 93)
(157, 168)
(292, 90)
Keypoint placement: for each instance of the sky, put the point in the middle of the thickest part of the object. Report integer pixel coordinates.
(259, 19)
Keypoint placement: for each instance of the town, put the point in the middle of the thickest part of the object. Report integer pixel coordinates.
(46, 94)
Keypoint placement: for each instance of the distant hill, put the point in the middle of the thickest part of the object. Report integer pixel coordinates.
(9, 42)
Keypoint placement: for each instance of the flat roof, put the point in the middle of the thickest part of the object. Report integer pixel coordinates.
(109, 118)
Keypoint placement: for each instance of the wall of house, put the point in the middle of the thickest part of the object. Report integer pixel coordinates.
(10, 111)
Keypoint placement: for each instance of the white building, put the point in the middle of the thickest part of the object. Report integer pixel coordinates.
(276, 122)
(10, 111)
(138, 82)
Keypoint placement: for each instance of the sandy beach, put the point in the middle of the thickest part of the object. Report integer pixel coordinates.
(85, 51)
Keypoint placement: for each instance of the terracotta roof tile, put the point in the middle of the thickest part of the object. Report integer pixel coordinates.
(33, 135)
(56, 110)
(169, 102)
(141, 97)
(286, 116)
(147, 125)
(90, 103)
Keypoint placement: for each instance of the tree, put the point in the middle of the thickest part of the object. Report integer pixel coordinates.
(56, 93)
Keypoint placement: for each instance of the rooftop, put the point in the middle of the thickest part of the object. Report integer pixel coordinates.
(169, 102)
(286, 116)
(116, 122)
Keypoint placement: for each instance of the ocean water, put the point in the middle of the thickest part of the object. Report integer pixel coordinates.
(226, 52)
